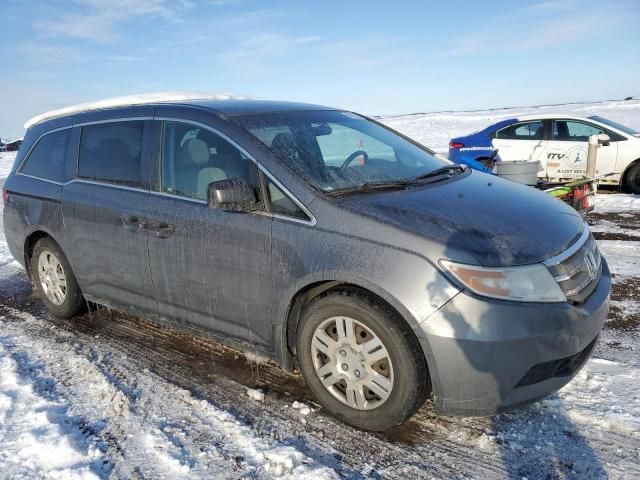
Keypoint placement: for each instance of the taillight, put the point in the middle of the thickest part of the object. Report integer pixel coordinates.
(456, 145)
(5, 195)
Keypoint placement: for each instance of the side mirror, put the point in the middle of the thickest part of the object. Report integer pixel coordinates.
(233, 194)
(600, 139)
(603, 139)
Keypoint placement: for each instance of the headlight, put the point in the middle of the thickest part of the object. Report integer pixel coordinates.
(528, 283)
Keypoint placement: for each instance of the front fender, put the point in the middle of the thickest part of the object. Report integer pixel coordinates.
(407, 281)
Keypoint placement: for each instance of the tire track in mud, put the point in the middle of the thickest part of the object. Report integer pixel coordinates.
(121, 347)
(327, 441)
(423, 445)
(144, 413)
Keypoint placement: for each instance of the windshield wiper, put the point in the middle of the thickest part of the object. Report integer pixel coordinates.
(444, 170)
(371, 186)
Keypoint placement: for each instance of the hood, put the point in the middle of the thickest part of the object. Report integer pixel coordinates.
(497, 221)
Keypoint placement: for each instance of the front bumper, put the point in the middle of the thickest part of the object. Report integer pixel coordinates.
(486, 356)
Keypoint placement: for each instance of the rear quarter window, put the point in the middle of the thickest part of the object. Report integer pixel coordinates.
(48, 158)
(112, 152)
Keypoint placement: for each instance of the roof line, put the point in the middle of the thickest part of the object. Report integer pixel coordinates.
(130, 100)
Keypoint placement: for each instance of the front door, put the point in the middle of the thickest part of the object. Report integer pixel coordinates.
(522, 141)
(568, 147)
(210, 268)
(104, 210)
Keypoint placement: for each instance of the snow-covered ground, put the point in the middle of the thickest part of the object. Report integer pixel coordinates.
(105, 395)
(435, 129)
(6, 162)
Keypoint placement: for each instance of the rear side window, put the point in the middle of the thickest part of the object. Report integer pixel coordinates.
(522, 131)
(48, 158)
(194, 157)
(112, 152)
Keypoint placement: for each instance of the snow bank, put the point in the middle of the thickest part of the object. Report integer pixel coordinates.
(605, 394)
(436, 129)
(623, 256)
(38, 438)
(165, 431)
(615, 203)
(134, 100)
(6, 162)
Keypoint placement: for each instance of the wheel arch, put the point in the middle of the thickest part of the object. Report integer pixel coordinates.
(29, 244)
(625, 173)
(304, 295)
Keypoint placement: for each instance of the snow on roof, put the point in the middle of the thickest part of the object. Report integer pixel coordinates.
(134, 100)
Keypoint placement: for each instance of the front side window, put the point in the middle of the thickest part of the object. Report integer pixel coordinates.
(522, 131)
(194, 157)
(335, 150)
(571, 131)
(112, 152)
(48, 159)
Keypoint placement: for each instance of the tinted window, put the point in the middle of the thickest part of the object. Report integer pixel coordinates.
(112, 152)
(522, 131)
(194, 157)
(48, 158)
(282, 204)
(570, 131)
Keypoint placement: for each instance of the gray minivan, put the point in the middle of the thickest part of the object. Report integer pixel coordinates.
(319, 238)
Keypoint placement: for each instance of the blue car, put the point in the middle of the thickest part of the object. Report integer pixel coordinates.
(476, 149)
(559, 142)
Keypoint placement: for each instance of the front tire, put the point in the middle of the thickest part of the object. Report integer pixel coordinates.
(633, 179)
(361, 360)
(54, 280)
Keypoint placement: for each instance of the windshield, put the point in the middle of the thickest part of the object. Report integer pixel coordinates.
(619, 126)
(336, 150)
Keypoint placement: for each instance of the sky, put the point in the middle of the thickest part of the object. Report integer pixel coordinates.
(374, 57)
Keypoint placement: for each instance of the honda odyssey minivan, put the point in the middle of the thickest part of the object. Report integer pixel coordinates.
(317, 237)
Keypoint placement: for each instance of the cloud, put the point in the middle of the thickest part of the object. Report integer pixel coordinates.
(266, 45)
(309, 39)
(47, 54)
(99, 21)
(224, 3)
(124, 59)
(541, 25)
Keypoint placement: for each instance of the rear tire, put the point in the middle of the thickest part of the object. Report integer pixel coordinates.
(361, 360)
(54, 280)
(633, 179)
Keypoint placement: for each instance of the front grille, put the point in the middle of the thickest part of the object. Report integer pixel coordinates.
(578, 271)
(564, 367)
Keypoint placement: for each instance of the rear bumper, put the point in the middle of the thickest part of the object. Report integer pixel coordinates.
(488, 356)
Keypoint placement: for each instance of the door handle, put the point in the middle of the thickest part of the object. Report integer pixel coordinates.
(163, 230)
(133, 222)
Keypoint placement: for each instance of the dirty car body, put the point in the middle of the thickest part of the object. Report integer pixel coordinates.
(152, 243)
